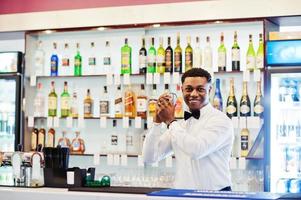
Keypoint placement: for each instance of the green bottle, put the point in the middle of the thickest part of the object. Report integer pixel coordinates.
(178, 56)
(260, 53)
(161, 58)
(77, 62)
(188, 55)
(222, 52)
(151, 58)
(65, 101)
(250, 55)
(52, 101)
(126, 58)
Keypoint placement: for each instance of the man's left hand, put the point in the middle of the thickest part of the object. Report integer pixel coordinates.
(166, 110)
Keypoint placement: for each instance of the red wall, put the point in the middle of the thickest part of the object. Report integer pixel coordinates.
(22, 6)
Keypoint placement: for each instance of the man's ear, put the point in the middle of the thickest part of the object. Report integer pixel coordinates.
(210, 87)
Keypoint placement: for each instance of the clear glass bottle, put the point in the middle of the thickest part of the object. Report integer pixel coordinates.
(39, 59)
(197, 54)
(208, 55)
(52, 101)
(178, 56)
(161, 57)
(151, 57)
(142, 58)
(65, 101)
(222, 55)
(126, 58)
(39, 102)
(77, 62)
(235, 54)
(188, 55)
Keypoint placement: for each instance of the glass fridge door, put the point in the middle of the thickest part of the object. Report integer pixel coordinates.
(8, 88)
(285, 130)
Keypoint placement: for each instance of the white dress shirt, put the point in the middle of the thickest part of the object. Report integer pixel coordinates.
(202, 148)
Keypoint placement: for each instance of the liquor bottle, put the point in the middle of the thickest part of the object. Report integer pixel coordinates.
(126, 58)
(118, 104)
(39, 59)
(77, 62)
(107, 57)
(188, 55)
(64, 141)
(92, 57)
(179, 113)
(217, 99)
(161, 57)
(66, 56)
(260, 53)
(197, 54)
(104, 103)
(129, 102)
(42, 137)
(168, 57)
(153, 102)
(142, 58)
(54, 62)
(39, 102)
(65, 101)
(244, 142)
(74, 105)
(245, 105)
(235, 54)
(250, 55)
(258, 102)
(52, 101)
(222, 55)
(34, 139)
(151, 58)
(231, 109)
(88, 105)
(78, 144)
(51, 138)
(141, 103)
(178, 56)
(208, 55)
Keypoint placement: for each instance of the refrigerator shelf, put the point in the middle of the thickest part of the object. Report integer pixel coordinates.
(288, 106)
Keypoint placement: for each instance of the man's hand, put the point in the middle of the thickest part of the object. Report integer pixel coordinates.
(165, 110)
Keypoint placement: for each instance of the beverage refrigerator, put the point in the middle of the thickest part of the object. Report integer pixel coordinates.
(10, 100)
(283, 116)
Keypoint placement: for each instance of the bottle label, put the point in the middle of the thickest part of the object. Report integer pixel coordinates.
(76, 145)
(188, 59)
(129, 99)
(235, 55)
(221, 59)
(104, 107)
(231, 109)
(168, 61)
(244, 109)
(259, 62)
(142, 61)
(178, 61)
(141, 105)
(50, 140)
(258, 109)
(244, 142)
(125, 62)
(217, 103)
(250, 62)
(152, 107)
(65, 103)
(87, 108)
(65, 62)
(33, 141)
(53, 65)
(118, 100)
(107, 60)
(52, 103)
(77, 62)
(151, 59)
(92, 61)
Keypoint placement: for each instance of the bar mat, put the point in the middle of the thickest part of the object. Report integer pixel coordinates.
(116, 189)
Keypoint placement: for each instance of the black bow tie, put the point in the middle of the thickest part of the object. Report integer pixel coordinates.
(195, 114)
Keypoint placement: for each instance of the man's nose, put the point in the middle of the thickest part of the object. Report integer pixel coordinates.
(194, 93)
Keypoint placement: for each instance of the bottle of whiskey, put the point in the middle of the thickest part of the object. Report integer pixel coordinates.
(74, 105)
(129, 102)
(77, 62)
(222, 55)
(251, 55)
(179, 113)
(258, 102)
(39, 102)
(141, 103)
(244, 142)
(54, 62)
(64, 141)
(104, 103)
(188, 55)
(142, 58)
(52, 101)
(178, 56)
(217, 99)
(168, 57)
(231, 109)
(235, 54)
(51, 138)
(65, 101)
(245, 104)
(118, 104)
(161, 57)
(151, 57)
(197, 54)
(126, 58)
(88, 105)
(34, 139)
(153, 102)
(78, 144)
(92, 59)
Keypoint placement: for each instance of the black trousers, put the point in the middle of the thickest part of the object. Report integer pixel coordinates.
(228, 188)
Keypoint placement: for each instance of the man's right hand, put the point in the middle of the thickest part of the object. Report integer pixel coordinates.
(156, 118)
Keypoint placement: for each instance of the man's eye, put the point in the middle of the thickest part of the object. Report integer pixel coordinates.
(188, 89)
(201, 90)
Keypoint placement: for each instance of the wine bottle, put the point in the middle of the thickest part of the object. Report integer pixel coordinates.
(141, 103)
(65, 101)
(244, 142)
(235, 54)
(118, 103)
(178, 56)
(51, 138)
(197, 54)
(168, 57)
(151, 57)
(250, 55)
(126, 58)
(77, 62)
(258, 102)
(104, 103)
(245, 105)
(208, 55)
(107, 57)
(142, 58)
(52, 101)
(222, 53)
(161, 57)
(88, 105)
(217, 99)
(129, 102)
(188, 55)
(260, 53)
(54, 62)
(231, 109)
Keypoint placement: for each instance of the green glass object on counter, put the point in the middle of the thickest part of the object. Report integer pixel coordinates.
(104, 182)
(77, 62)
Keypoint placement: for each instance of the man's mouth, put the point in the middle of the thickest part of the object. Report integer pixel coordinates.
(194, 101)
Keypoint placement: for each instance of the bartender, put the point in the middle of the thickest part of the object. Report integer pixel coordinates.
(201, 143)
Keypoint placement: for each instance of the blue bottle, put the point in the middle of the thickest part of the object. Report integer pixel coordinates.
(217, 99)
(54, 62)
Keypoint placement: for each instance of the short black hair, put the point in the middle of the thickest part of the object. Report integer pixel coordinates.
(196, 72)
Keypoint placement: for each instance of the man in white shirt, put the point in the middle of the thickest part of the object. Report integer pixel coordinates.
(201, 143)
